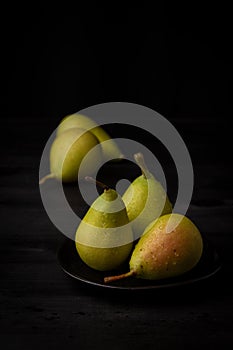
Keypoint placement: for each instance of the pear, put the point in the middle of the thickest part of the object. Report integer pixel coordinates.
(110, 150)
(170, 246)
(145, 199)
(104, 237)
(67, 153)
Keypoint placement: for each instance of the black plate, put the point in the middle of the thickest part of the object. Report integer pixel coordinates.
(71, 263)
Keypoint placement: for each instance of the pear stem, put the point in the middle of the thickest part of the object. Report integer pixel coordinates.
(119, 277)
(45, 178)
(96, 182)
(141, 163)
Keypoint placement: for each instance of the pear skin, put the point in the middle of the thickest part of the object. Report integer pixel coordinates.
(145, 199)
(104, 237)
(110, 150)
(161, 254)
(170, 246)
(67, 153)
(75, 121)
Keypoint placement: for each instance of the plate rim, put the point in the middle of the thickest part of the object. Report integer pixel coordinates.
(174, 284)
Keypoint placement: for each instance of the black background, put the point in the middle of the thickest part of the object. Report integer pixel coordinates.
(57, 60)
(174, 59)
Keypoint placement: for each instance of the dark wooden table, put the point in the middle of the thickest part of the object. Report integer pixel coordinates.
(42, 307)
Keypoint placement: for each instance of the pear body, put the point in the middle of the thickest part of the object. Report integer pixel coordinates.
(170, 246)
(104, 237)
(145, 200)
(110, 150)
(68, 151)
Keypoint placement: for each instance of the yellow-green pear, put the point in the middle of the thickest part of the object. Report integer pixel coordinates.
(170, 246)
(145, 199)
(104, 237)
(110, 150)
(67, 152)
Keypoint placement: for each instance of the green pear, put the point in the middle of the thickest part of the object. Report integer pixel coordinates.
(67, 153)
(104, 237)
(170, 246)
(145, 199)
(110, 150)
